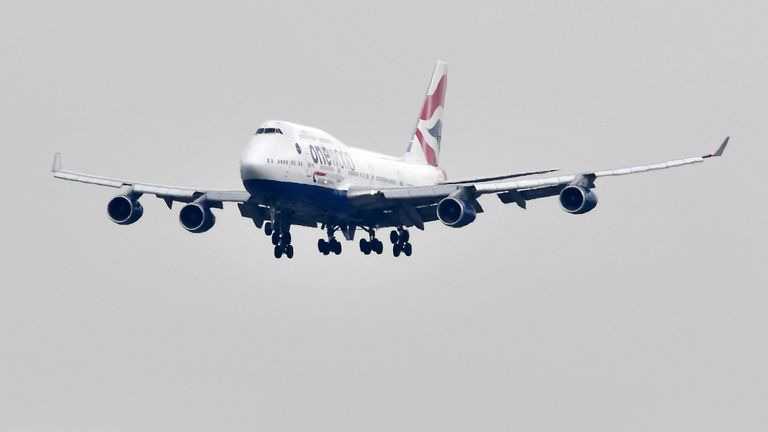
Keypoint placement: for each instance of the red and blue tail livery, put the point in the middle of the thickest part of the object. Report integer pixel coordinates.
(425, 142)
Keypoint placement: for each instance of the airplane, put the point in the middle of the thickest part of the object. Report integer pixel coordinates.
(296, 175)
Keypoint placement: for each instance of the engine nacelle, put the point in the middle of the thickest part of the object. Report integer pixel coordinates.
(196, 218)
(124, 210)
(455, 212)
(577, 199)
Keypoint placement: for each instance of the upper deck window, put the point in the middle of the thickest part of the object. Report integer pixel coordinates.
(268, 131)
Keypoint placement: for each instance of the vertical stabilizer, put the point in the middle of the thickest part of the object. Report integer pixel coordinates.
(425, 142)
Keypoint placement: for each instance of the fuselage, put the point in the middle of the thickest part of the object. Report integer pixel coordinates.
(304, 168)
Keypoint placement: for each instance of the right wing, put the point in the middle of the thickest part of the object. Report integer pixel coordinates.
(204, 198)
(167, 193)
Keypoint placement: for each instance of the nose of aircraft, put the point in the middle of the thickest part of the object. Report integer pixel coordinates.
(253, 165)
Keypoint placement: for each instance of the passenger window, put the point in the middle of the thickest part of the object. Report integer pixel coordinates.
(260, 131)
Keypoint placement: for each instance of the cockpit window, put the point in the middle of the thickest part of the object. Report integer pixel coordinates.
(268, 131)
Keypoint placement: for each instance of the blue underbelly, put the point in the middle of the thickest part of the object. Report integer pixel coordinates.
(287, 194)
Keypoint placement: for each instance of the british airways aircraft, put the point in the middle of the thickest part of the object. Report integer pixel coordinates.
(299, 175)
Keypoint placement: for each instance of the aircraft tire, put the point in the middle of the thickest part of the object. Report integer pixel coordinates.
(407, 249)
(365, 246)
(268, 228)
(394, 237)
(289, 251)
(278, 251)
(322, 246)
(396, 249)
(275, 238)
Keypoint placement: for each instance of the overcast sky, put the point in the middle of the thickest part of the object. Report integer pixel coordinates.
(646, 314)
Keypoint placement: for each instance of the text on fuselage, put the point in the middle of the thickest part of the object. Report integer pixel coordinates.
(331, 157)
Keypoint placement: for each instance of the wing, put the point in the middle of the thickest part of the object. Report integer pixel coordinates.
(422, 201)
(503, 177)
(168, 193)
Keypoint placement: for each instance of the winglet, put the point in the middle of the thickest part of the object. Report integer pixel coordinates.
(56, 163)
(720, 150)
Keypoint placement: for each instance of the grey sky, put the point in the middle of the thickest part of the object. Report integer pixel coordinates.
(646, 314)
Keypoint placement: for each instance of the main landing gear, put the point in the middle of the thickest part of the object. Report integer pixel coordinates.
(331, 245)
(371, 245)
(400, 244)
(281, 239)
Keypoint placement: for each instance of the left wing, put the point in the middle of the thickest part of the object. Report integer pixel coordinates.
(502, 177)
(168, 193)
(424, 199)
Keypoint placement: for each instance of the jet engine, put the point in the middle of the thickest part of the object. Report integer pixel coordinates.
(124, 210)
(196, 218)
(577, 199)
(455, 212)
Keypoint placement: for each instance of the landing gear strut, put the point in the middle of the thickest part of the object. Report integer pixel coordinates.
(331, 245)
(372, 244)
(400, 244)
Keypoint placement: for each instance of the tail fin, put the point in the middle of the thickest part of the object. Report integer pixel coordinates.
(425, 142)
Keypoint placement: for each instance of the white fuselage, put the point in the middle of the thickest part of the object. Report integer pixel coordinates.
(288, 153)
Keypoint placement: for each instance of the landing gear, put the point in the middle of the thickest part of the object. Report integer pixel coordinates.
(372, 244)
(400, 244)
(281, 239)
(329, 246)
(287, 250)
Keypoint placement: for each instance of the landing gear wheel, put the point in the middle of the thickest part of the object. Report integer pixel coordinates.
(378, 247)
(278, 251)
(286, 237)
(336, 247)
(275, 238)
(366, 246)
(405, 236)
(323, 247)
(396, 249)
(394, 237)
(289, 251)
(268, 228)
(407, 249)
